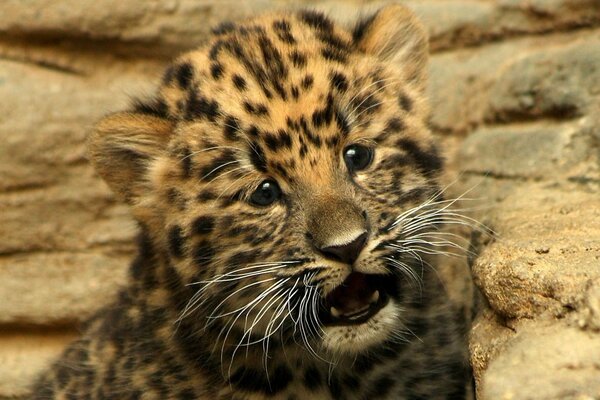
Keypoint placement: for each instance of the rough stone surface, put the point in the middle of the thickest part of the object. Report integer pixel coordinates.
(515, 89)
(567, 367)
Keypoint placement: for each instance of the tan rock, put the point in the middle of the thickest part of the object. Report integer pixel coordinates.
(58, 288)
(546, 255)
(544, 360)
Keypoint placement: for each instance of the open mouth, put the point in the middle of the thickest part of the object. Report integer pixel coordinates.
(355, 301)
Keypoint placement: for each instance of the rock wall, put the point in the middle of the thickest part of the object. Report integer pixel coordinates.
(515, 87)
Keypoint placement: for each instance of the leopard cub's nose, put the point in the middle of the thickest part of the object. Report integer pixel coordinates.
(347, 252)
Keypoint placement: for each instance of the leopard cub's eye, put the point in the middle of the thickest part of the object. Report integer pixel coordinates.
(358, 157)
(267, 193)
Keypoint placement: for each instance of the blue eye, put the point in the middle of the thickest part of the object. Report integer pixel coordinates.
(357, 157)
(267, 193)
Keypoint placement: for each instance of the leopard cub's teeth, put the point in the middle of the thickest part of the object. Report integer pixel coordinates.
(375, 297)
(335, 312)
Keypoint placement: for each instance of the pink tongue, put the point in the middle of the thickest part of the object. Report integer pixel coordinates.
(351, 295)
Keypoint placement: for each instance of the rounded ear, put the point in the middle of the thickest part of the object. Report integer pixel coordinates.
(122, 147)
(394, 34)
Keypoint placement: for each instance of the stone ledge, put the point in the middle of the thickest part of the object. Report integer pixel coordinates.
(544, 360)
(168, 27)
(57, 288)
(547, 253)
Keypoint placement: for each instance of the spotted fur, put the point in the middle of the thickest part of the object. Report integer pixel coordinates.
(222, 298)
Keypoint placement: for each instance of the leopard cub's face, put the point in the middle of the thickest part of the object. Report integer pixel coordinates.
(277, 167)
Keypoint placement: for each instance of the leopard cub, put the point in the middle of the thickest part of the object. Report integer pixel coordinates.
(287, 192)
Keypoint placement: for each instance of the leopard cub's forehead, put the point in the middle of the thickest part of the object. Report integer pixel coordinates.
(289, 80)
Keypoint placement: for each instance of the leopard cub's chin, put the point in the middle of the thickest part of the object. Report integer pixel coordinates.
(358, 338)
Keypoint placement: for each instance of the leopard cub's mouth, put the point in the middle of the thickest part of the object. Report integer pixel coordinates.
(354, 301)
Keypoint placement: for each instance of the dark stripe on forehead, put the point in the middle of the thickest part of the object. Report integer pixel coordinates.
(223, 28)
(324, 116)
(199, 107)
(282, 27)
(222, 163)
(155, 107)
(231, 128)
(281, 139)
(405, 102)
(335, 54)
(239, 82)
(428, 161)
(338, 81)
(316, 20)
(184, 73)
(394, 125)
(216, 70)
(298, 59)
(257, 157)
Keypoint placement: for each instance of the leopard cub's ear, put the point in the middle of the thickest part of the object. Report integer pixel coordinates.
(122, 147)
(394, 34)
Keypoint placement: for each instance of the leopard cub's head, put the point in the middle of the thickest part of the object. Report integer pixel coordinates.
(277, 171)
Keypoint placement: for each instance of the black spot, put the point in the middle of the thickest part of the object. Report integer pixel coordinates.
(335, 54)
(239, 82)
(298, 59)
(216, 70)
(155, 107)
(176, 241)
(206, 195)
(280, 379)
(428, 162)
(312, 378)
(257, 157)
(256, 109)
(335, 388)
(200, 107)
(381, 387)
(394, 125)
(249, 379)
(352, 383)
(187, 394)
(316, 20)
(295, 92)
(278, 140)
(334, 41)
(324, 116)
(216, 49)
(366, 104)
(169, 75)
(307, 82)
(314, 139)
(342, 123)
(186, 162)
(223, 28)
(253, 131)
(361, 28)
(243, 258)
(282, 28)
(203, 225)
(203, 253)
(339, 81)
(231, 128)
(272, 59)
(184, 73)
(405, 102)
(224, 162)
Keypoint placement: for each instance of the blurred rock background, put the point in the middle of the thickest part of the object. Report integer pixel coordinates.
(515, 89)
